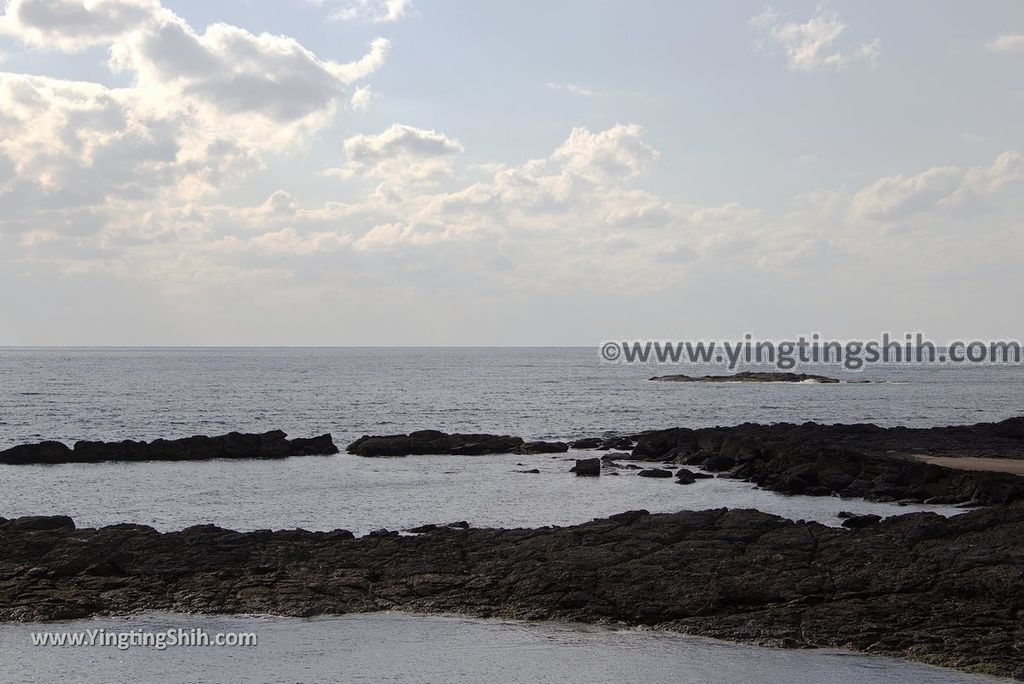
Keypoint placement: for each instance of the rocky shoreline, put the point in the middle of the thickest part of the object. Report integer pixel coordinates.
(860, 460)
(919, 586)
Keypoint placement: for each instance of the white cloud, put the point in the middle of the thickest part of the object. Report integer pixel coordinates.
(1008, 43)
(73, 25)
(290, 241)
(202, 109)
(571, 88)
(401, 154)
(372, 11)
(361, 97)
(942, 189)
(813, 44)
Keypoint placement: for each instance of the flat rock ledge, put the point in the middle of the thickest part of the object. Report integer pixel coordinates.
(233, 445)
(944, 591)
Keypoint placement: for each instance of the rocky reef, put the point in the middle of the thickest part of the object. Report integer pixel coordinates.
(234, 445)
(849, 460)
(944, 591)
(754, 376)
(424, 442)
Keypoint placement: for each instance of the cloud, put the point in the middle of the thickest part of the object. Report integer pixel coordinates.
(361, 97)
(401, 154)
(941, 188)
(290, 241)
(372, 11)
(571, 88)
(811, 45)
(73, 25)
(266, 89)
(618, 152)
(1008, 43)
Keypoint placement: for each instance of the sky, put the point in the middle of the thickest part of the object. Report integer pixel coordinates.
(542, 172)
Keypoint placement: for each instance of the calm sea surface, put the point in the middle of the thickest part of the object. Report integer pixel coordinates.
(71, 394)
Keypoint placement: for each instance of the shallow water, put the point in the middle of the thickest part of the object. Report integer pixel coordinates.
(362, 495)
(390, 647)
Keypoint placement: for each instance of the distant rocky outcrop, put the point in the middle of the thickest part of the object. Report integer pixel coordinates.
(754, 376)
(233, 445)
(943, 591)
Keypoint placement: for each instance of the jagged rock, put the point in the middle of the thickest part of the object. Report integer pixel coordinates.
(857, 522)
(233, 445)
(587, 443)
(849, 460)
(587, 467)
(945, 591)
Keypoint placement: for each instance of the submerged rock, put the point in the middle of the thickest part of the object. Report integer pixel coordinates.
(654, 472)
(543, 448)
(233, 445)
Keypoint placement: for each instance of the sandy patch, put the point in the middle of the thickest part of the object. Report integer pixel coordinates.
(996, 465)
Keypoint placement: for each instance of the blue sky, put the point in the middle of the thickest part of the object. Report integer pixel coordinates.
(413, 172)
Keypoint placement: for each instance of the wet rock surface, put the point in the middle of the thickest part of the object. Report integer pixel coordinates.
(944, 591)
(234, 445)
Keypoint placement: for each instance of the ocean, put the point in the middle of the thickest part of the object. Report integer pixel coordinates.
(71, 394)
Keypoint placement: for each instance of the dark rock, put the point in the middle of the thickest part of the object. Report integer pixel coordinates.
(947, 591)
(754, 376)
(587, 467)
(531, 471)
(843, 515)
(692, 475)
(718, 463)
(685, 477)
(587, 443)
(857, 522)
(616, 456)
(434, 442)
(654, 472)
(233, 445)
(543, 448)
(39, 522)
(860, 460)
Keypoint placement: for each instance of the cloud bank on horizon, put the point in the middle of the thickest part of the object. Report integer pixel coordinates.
(391, 173)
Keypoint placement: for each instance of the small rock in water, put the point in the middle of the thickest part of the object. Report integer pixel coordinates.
(655, 472)
(587, 467)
